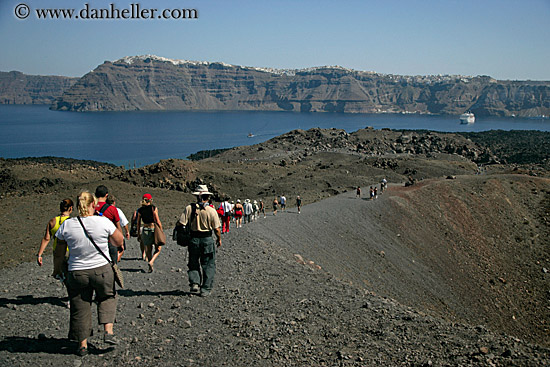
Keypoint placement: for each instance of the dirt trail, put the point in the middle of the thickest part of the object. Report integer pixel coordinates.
(268, 307)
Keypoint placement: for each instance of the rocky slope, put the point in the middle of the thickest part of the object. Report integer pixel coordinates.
(155, 83)
(286, 294)
(19, 88)
(452, 270)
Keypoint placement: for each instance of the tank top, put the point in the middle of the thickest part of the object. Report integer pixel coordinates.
(146, 213)
(58, 221)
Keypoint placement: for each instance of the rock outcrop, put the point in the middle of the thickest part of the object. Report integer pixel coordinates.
(155, 83)
(19, 88)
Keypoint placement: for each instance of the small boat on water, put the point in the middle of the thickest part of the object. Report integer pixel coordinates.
(467, 118)
(250, 135)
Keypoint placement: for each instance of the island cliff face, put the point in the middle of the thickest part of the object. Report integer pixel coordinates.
(155, 83)
(19, 88)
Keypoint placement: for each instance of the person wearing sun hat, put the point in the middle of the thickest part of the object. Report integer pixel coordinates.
(202, 219)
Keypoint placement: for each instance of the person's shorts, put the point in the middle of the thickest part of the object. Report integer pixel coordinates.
(148, 236)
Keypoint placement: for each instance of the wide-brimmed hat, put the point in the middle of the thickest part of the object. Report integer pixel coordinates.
(202, 190)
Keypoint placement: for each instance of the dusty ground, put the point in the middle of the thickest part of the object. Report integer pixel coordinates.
(283, 296)
(430, 274)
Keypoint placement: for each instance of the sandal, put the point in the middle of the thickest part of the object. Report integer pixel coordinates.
(82, 351)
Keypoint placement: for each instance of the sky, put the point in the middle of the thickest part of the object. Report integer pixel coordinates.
(505, 39)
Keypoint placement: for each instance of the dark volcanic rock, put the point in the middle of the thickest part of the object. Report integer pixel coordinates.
(155, 83)
(19, 88)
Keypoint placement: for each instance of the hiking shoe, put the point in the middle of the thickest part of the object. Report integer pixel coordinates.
(195, 288)
(110, 339)
(82, 351)
(205, 293)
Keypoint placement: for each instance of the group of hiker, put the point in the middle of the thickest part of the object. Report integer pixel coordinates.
(88, 246)
(373, 190)
(86, 249)
(238, 212)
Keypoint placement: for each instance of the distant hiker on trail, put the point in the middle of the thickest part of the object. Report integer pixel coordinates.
(275, 205)
(262, 207)
(109, 212)
(89, 271)
(298, 203)
(255, 210)
(358, 192)
(283, 203)
(233, 211)
(383, 185)
(247, 210)
(371, 193)
(202, 220)
(111, 200)
(375, 192)
(238, 210)
(226, 217)
(149, 215)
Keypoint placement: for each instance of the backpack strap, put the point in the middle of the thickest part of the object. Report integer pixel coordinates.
(193, 213)
(104, 208)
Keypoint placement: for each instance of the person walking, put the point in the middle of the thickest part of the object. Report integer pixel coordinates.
(109, 212)
(383, 185)
(65, 209)
(283, 203)
(358, 192)
(255, 210)
(202, 221)
(275, 205)
(238, 210)
(247, 210)
(262, 207)
(111, 200)
(226, 218)
(298, 203)
(89, 270)
(149, 215)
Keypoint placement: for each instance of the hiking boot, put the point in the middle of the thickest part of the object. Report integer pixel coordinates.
(110, 339)
(205, 293)
(195, 288)
(82, 351)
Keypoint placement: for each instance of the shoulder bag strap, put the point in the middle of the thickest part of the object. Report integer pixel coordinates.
(91, 239)
(193, 214)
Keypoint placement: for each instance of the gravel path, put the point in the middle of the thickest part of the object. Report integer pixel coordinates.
(269, 307)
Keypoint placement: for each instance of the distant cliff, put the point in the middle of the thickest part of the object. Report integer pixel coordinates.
(19, 88)
(155, 83)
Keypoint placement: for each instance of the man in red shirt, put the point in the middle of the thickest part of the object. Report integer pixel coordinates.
(101, 193)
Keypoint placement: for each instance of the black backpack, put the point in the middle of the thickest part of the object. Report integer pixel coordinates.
(182, 233)
(133, 225)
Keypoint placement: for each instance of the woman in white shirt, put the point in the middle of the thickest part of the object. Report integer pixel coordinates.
(89, 270)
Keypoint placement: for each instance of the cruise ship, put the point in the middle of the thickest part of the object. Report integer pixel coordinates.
(467, 118)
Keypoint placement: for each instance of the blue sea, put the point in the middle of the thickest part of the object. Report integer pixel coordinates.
(141, 138)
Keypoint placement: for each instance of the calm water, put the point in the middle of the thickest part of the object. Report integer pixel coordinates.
(123, 138)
